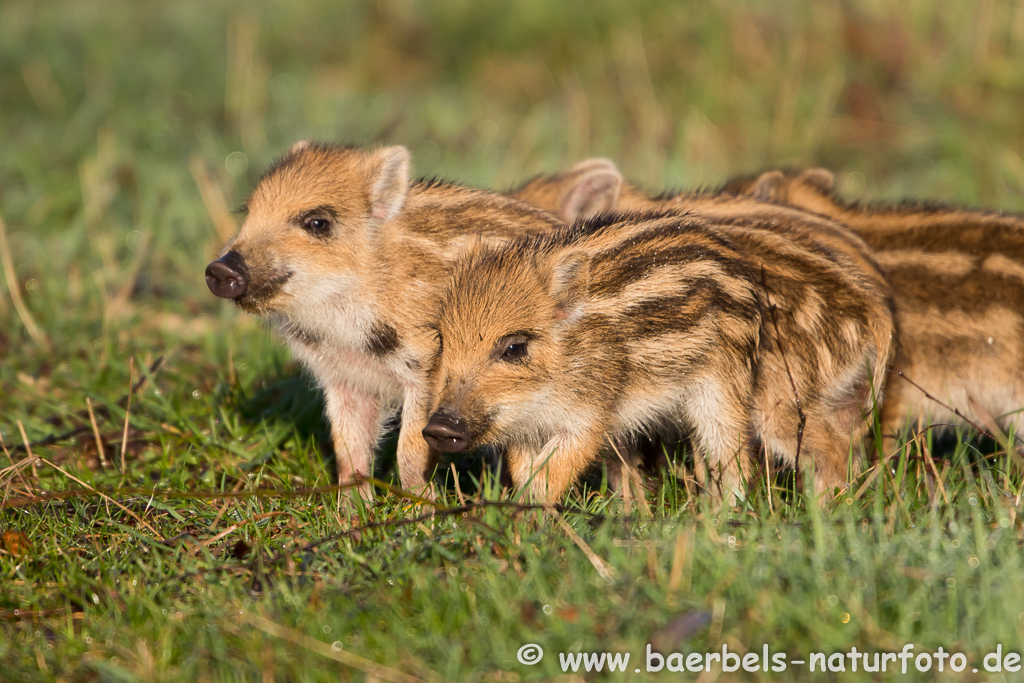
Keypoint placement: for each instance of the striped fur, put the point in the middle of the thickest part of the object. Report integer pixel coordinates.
(352, 297)
(658, 322)
(957, 276)
(850, 284)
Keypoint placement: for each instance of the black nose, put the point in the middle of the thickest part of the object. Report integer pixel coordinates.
(446, 433)
(226, 276)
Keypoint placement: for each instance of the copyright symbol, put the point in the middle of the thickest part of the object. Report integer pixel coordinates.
(530, 654)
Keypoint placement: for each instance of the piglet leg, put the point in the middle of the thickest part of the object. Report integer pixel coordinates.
(355, 430)
(416, 461)
(549, 472)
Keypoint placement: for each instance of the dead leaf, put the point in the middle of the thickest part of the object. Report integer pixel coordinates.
(569, 614)
(17, 543)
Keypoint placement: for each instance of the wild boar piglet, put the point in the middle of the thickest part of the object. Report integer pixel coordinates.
(554, 346)
(957, 277)
(596, 185)
(346, 254)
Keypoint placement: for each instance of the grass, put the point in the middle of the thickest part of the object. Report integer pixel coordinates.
(131, 131)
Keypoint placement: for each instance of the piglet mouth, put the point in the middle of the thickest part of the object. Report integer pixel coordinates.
(446, 433)
(260, 293)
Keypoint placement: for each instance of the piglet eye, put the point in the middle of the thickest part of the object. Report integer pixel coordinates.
(514, 351)
(511, 348)
(317, 226)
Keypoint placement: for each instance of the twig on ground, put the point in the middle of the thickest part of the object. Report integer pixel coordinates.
(38, 336)
(235, 527)
(441, 512)
(437, 512)
(606, 571)
(371, 668)
(31, 458)
(101, 495)
(16, 469)
(78, 431)
(96, 433)
(174, 495)
(982, 430)
(127, 414)
(1016, 449)
(227, 503)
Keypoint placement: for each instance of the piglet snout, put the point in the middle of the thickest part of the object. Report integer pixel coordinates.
(446, 433)
(226, 277)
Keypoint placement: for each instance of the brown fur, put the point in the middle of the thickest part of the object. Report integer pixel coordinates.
(601, 187)
(587, 189)
(854, 274)
(957, 276)
(658, 322)
(352, 299)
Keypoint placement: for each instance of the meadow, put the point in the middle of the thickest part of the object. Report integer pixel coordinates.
(168, 503)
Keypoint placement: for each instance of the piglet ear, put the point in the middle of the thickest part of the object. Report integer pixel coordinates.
(593, 164)
(596, 189)
(389, 181)
(569, 283)
(820, 179)
(768, 187)
(298, 146)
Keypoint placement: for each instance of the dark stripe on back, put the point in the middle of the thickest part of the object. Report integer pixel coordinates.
(663, 246)
(782, 258)
(975, 291)
(969, 237)
(592, 224)
(914, 207)
(467, 211)
(683, 311)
